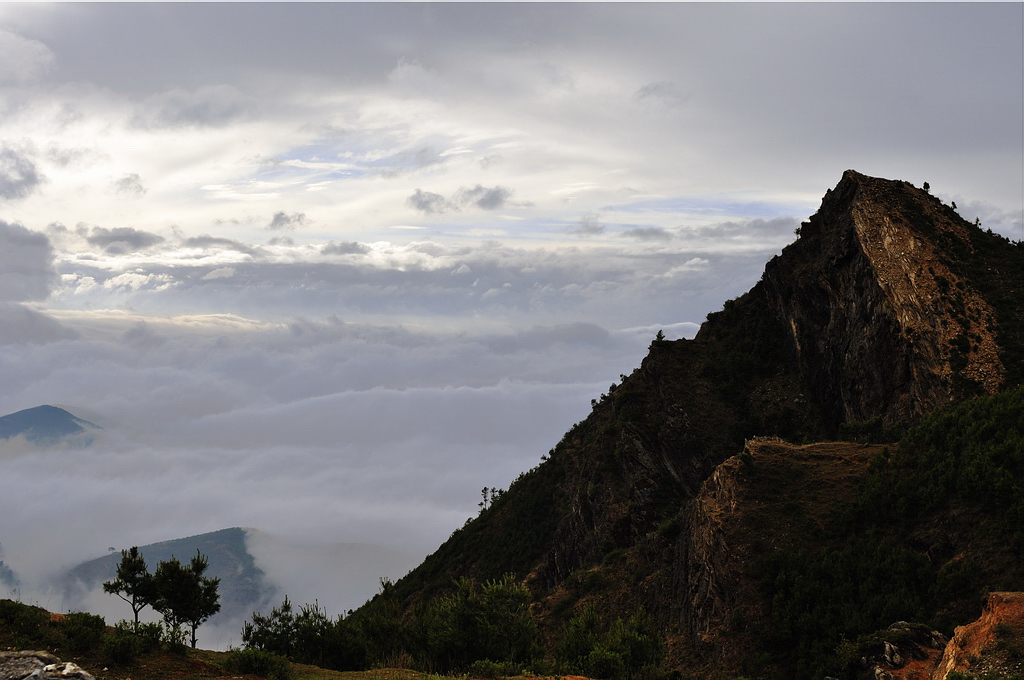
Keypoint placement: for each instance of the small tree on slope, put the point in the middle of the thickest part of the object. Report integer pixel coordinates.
(183, 595)
(133, 582)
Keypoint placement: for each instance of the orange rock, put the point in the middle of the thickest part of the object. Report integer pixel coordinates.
(971, 640)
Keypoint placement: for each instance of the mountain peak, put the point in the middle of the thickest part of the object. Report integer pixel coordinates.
(46, 425)
(882, 297)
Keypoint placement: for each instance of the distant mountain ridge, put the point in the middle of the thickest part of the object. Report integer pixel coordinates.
(243, 587)
(48, 425)
(256, 569)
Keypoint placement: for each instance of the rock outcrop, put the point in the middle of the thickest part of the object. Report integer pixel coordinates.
(994, 644)
(758, 501)
(879, 321)
(913, 654)
(37, 665)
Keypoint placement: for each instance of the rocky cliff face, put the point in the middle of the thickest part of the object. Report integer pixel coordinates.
(869, 316)
(762, 501)
(880, 324)
(994, 644)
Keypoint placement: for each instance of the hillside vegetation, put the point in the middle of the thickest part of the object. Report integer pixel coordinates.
(937, 523)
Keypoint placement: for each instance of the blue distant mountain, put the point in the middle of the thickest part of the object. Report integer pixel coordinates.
(46, 426)
(243, 587)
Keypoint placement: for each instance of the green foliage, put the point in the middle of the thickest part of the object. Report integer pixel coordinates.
(308, 637)
(271, 633)
(25, 622)
(180, 593)
(83, 632)
(971, 455)
(492, 670)
(488, 622)
(258, 662)
(133, 582)
(866, 572)
(150, 636)
(749, 343)
(623, 649)
(509, 536)
(123, 646)
(380, 628)
(183, 595)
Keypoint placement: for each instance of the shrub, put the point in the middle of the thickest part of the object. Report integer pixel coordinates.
(150, 636)
(258, 662)
(624, 649)
(25, 621)
(122, 646)
(83, 631)
(493, 670)
(174, 638)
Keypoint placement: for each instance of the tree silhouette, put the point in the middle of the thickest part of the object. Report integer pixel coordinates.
(133, 582)
(183, 595)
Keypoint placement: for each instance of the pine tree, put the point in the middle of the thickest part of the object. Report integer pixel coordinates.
(183, 595)
(133, 582)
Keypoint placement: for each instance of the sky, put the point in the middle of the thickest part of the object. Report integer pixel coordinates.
(326, 270)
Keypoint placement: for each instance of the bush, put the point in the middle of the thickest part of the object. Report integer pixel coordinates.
(150, 636)
(174, 638)
(258, 662)
(493, 670)
(624, 649)
(122, 647)
(83, 631)
(604, 663)
(25, 621)
(477, 623)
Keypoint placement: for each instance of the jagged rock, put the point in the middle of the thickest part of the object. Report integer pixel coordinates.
(882, 325)
(974, 648)
(38, 665)
(906, 651)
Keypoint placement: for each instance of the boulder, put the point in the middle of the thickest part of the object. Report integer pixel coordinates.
(38, 665)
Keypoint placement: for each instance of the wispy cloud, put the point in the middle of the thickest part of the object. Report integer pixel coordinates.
(19, 175)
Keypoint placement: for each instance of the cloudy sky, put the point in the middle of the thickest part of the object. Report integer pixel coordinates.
(326, 270)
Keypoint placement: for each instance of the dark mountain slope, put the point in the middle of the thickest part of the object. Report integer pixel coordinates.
(888, 306)
(46, 426)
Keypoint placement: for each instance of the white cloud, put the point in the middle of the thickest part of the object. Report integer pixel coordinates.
(130, 184)
(207, 106)
(22, 59)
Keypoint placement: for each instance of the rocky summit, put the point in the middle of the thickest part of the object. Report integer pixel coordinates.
(759, 492)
